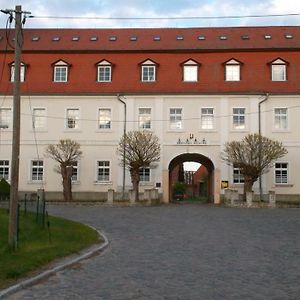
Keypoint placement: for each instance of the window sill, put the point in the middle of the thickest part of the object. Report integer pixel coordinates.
(175, 130)
(239, 130)
(36, 182)
(104, 130)
(69, 130)
(281, 131)
(75, 182)
(208, 130)
(284, 185)
(39, 130)
(102, 183)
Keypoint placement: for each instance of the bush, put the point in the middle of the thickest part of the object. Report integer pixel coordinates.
(179, 189)
(4, 189)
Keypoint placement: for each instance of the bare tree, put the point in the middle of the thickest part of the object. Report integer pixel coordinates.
(254, 156)
(66, 153)
(138, 149)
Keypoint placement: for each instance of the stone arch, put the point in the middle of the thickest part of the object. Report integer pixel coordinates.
(202, 159)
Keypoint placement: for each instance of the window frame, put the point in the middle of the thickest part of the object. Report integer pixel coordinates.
(238, 116)
(33, 120)
(3, 168)
(38, 167)
(202, 128)
(9, 123)
(237, 177)
(281, 169)
(98, 119)
(278, 62)
(76, 121)
(106, 65)
(104, 168)
(230, 75)
(188, 65)
(181, 119)
(147, 65)
(281, 117)
(58, 67)
(75, 169)
(22, 72)
(143, 175)
(149, 120)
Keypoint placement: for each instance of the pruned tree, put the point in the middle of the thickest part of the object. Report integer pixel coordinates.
(66, 153)
(254, 156)
(138, 149)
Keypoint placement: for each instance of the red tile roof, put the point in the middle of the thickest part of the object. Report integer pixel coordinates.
(159, 39)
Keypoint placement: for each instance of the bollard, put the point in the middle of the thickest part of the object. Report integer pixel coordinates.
(110, 196)
(272, 199)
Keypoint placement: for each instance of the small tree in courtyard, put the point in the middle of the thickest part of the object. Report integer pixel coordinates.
(254, 156)
(66, 153)
(138, 149)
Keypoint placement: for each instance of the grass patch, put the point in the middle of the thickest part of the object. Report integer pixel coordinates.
(34, 248)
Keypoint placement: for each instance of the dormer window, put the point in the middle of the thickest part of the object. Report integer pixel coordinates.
(104, 68)
(278, 70)
(190, 71)
(148, 71)
(232, 70)
(61, 69)
(12, 72)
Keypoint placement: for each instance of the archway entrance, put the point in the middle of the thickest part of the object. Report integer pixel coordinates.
(199, 183)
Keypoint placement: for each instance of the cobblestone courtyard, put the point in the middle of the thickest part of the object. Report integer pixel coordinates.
(182, 252)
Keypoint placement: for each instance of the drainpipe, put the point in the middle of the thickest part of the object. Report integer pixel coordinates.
(266, 97)
(124, 132)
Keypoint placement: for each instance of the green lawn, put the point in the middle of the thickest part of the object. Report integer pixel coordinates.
(35, 250)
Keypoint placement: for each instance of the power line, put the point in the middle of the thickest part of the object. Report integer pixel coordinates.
(168, 18)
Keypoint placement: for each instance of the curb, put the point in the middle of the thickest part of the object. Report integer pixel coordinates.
(47, 273)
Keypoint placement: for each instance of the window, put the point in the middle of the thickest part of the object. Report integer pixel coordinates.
(75, 174)
(239, 118)
(238, 177)
(4, 169)
(190, 71)
(37, 170)
(22, 72)
(232, 70)
(104, 118)
(145, 118)
(207, 118)
(72, 120)
(5, 118)
(39, 118)
(148, 71)
(278, 69)
(103, 171)
(145, 174)
(175, 118)
(104, 71)
(280, 118)
(61, 71)
(281, 173)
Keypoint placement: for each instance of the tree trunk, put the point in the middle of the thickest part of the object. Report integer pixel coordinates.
(248, 184)
(66, 173)
(135, 179)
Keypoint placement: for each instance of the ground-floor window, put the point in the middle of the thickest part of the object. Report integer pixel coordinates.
(103, 170)
(281, 173)
(37, 170)
(4, 169)
(238, 177)
(75, 174)
(145, 174)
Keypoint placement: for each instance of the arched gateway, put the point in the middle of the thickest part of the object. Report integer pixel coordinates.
(213, 175)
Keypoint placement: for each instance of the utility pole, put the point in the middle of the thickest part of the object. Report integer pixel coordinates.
(14, 189)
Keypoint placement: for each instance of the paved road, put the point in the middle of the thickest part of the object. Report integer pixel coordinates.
(183, 252)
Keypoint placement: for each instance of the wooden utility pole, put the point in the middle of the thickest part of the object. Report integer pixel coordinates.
(14, 189)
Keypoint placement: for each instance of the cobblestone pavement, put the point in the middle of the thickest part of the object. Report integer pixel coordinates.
(182, 252)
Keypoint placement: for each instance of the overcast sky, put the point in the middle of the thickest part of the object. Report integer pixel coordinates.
(154, 8)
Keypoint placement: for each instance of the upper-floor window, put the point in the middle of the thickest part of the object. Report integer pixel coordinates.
(232, 70)
(22, 72)
(5, 118)
(4, 169)
(278, 70)
(103, 171)
(104, 71)
(61, 69)
(238, 118)
(39, 118)
(145, 118)
(176, 118)
(190, 71)
(104, 118)
(281, 172)
(72, 119)
(207, 118)
(37, 170)
(148, 71)
(281, 118)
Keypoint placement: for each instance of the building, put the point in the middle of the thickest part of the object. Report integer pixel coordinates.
(196, 88)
